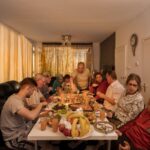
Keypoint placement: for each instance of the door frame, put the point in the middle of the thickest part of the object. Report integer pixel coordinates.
(143, 86)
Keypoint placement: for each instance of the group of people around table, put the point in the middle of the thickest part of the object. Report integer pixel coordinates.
(124, 105)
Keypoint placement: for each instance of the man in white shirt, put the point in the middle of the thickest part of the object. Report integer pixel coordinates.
(114, 91)
(81, 76)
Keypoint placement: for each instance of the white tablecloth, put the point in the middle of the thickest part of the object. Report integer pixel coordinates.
(36, 134)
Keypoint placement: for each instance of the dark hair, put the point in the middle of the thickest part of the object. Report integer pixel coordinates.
(28, 81)
(135, 77)
(97, 73)
(67, 76)
(112, 74)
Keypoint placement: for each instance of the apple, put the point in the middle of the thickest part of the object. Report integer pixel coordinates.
(67, 132)
(61, 127)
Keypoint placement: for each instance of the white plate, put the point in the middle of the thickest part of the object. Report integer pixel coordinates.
(104, 127)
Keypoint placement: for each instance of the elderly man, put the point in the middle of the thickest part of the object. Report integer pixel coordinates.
(46, 89)
(14, 116)
(81, 76)
(37, 95)
(113, 93)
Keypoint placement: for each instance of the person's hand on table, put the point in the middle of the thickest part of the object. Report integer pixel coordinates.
(44, 103)
(125, 146)
(100, 95)
(118, 133)
(49, 99)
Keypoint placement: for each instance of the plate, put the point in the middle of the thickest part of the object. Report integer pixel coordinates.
(104, 127)
(60, 108)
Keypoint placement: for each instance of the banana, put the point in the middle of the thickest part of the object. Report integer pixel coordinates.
(69, 114)
(87, 125)
(74, 130)
(87, 128)
(74, 115)
(82, 122)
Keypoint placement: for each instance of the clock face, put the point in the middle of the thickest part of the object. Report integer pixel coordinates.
(133, 40)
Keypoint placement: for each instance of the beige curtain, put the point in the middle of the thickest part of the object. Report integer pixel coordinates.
(26, 57)
(4, 48)
(15, 55)
(63, 60)
(37, 58)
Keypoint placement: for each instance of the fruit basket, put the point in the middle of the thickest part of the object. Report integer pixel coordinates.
(76, 126)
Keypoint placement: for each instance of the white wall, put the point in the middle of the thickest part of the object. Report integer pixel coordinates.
(96, 56)
(141, 26)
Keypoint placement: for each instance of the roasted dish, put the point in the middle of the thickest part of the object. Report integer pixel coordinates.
(75, 106)
(91, 117)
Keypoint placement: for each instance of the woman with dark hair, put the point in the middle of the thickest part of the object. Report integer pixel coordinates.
(99, 85)
(131, 103)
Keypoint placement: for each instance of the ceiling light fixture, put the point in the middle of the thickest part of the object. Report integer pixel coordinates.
(66, 40)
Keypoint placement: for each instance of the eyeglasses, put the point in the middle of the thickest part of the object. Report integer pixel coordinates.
(130, 84)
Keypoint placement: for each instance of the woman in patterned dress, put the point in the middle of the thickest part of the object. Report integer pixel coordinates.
(130, 104)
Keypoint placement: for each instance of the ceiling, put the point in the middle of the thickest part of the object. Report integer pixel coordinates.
(85, 20)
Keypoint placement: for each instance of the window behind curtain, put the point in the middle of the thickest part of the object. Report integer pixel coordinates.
(63, 60)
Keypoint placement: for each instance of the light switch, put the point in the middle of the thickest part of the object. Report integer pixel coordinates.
(137, 63)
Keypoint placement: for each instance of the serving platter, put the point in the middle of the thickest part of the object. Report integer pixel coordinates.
(104, 127)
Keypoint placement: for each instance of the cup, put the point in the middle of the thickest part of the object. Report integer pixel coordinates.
(43, 122)
(55, 124)
(102, 115)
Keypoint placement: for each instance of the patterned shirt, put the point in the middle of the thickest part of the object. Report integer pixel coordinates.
(129, 106)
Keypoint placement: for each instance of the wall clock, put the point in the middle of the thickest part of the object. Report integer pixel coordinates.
(133, 42)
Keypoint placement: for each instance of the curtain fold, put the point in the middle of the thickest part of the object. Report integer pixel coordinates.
(37, 58)
(15, 55)
(26, 57)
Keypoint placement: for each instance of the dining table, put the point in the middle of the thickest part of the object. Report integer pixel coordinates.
(36, 134)
(48, 135)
